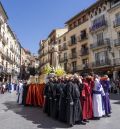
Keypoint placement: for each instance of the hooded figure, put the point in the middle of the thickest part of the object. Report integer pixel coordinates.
(106, 100)
(98, 92)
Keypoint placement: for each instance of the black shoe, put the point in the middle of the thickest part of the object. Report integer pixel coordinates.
(82, 123)
(71, 125)
(96, 118)
(104, 116)
(108, 115)
(86, 121)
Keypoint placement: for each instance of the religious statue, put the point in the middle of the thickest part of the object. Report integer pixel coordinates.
(55, 56)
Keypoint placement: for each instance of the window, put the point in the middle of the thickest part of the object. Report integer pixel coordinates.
(95, 13)
(70, 26)
(101, 57)
(7, 52)
(75, 24)
(85, 63)
(59, 47)
(59, 40)
(79, 21)
(117, 17)
(64, 45)
(100, 38)
(73, 39)
(7, 40)
(73, 50)
(99, 10)
(65, 55)
(83, 34)
(74, 66)
(84, 18)
(99, 20)
(65, 66)
(104, 8)
(64, 39)
(6, 64)
(118, 35)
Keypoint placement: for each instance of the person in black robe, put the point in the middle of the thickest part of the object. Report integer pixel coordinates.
(48, 95)
(25, 91)
(54, 98)
(76, 91)
(62, 100)
(69, 102)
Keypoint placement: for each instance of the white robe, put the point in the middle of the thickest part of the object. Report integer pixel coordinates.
(20, 94)
(98, 110)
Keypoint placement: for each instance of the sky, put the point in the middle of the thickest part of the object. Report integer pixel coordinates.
(33, 20)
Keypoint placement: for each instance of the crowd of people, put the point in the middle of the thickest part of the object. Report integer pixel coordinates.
(77, 99)
(7, 87)
(72, 99)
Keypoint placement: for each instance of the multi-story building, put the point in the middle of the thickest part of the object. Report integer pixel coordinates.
(92, 41)
(78, 43)
(43, 54)
(114, 18)
(9, 49)
(46, 47)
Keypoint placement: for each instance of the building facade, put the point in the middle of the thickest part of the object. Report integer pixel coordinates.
(46, 49)
(9, 50)
(92, 41)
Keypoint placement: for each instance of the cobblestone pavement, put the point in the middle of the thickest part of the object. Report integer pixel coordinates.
(14, 116)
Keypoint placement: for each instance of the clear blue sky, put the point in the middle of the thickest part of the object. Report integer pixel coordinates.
(33, 20)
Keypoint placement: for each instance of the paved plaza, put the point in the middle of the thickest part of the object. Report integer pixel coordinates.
(14, 116)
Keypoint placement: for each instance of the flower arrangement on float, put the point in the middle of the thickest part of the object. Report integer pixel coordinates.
(59, 71)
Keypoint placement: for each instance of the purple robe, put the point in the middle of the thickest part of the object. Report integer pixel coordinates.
(106, 99)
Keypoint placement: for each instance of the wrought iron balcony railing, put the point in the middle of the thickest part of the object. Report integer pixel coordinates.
(103, 42)
(117, 42)
(117, 62)
(63, 48)
(84, 51)
(73, 55)
(63, 60)
(116, 23)
(82, 37)
(71, 43)
(98, 25)
(99, 63)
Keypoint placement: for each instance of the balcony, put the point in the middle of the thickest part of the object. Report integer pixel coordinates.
(63, 60)
(98, 26)
(115, 3)
(117, 42)
(70, 43)
(101, 44)
(63, 48)
(116, 23)
(84, 51)
(11, 48)
(117, 62)
(99, 63)
(4, 41)
(82, 37)
(73, 55)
